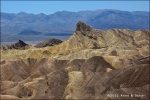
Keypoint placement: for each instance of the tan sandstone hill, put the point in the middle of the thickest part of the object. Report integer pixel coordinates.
(113, 42)
(93, 78)
(91, 64)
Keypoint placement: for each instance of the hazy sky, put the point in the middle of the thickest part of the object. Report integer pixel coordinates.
(49, 7)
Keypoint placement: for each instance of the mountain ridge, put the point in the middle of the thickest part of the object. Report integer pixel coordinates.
(74, 11)
(65, 21)
(85, 37)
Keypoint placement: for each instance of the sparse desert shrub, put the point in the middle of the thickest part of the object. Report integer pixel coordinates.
(114, 53)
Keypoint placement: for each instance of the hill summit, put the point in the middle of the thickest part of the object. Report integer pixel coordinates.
(48, 42)
(18, 45)
(82, 27)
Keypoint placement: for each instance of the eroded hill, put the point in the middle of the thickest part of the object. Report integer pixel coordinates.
(91, 64)
(111, 42)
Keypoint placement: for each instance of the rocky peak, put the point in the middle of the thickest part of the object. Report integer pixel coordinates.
(21, 43)
(82, 27)
(49, 42)
(18, 45)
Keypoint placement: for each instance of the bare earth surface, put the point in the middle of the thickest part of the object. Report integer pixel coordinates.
(91, 64)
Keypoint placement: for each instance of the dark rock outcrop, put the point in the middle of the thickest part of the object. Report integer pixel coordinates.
(19, 45)
(49, 42)
(29, 32)
(82, 27)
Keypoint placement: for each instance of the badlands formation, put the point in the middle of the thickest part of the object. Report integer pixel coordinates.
(91, 64)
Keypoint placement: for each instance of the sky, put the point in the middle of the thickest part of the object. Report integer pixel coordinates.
(49, 7)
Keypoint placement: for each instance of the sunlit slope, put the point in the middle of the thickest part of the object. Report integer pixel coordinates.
(85, 37)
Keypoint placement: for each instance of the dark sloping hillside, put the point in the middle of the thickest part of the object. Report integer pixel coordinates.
(49, 42)
(29, 32)
(120, 19)
(19, 45)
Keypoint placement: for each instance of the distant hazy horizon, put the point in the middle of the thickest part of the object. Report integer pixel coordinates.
(50, 7)
(71, 11)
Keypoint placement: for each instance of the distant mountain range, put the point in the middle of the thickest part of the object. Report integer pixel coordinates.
(65, 21)
(61, 24)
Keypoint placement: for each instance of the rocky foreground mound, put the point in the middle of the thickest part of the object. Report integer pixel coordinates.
(91, 64)
(92, 78)
(49, 42)
(19, 45)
